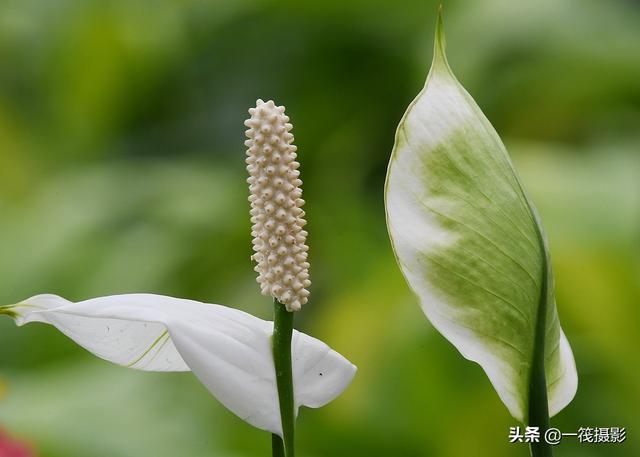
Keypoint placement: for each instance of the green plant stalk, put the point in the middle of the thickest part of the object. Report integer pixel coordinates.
(282, 333)
(538, 402)
(277, 446)
(539, 410)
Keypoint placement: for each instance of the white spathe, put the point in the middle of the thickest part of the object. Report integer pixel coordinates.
(470, 245)
(228, 350)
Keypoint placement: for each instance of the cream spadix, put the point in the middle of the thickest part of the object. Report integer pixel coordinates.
(470, 244)
(228, 350)
(276, 200)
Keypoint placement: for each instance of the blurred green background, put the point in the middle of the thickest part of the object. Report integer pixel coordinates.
(122, 170)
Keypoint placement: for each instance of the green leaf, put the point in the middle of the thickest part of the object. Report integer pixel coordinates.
(470, 244)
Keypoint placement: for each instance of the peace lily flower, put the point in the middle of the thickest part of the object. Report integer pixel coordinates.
(230, 352)
(471, 246)
(279, 243)
(276, 206)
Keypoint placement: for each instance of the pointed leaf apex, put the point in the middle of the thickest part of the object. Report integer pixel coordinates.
(439, 55)
(8, 310)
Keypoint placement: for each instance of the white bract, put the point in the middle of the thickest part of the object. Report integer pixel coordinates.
(228, 350)
(470, 244)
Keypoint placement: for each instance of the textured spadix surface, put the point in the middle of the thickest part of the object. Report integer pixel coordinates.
(228, 350)
(470, 245)
(274, 180)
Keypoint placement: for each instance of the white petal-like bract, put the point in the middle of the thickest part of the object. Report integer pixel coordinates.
(228, 350)
(470, 244)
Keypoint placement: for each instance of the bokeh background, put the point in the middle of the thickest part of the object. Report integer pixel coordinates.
(122, 170)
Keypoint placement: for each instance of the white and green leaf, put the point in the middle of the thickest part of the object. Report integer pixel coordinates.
(470, 244)
(228, 350)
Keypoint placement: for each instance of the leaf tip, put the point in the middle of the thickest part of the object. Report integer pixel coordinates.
(440, 11)
(8, 310)
(439, 56)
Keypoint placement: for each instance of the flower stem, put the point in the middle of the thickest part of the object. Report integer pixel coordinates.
(538, 402)
(539, 411)
(277, 446)
(282, 332)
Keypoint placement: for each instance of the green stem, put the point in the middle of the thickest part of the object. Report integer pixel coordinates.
(277, 446)
(539, 413)
(282, 332)
(538, 402)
